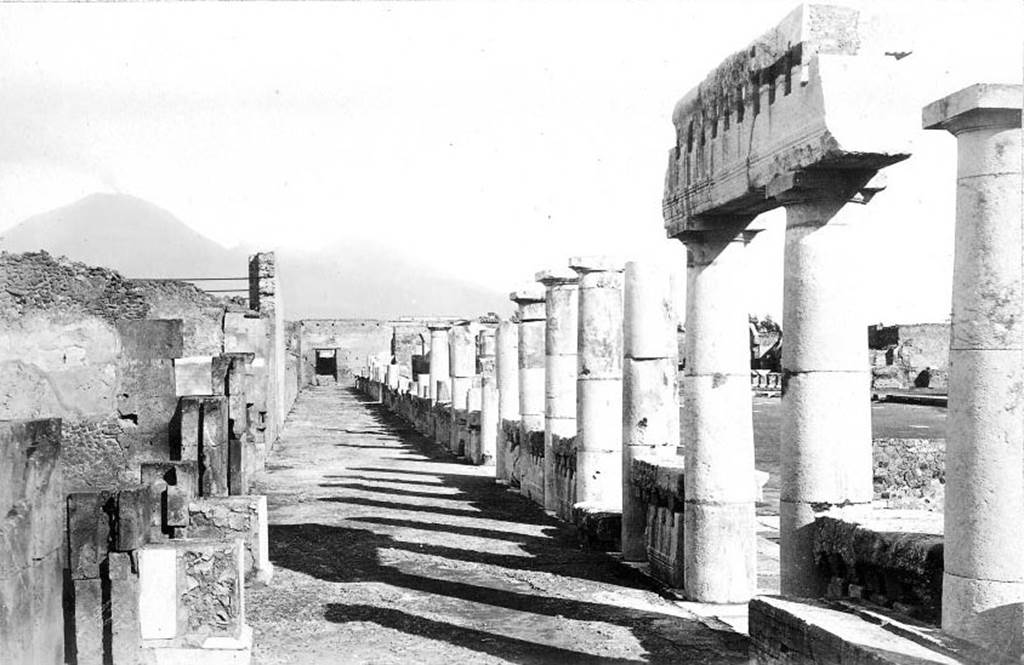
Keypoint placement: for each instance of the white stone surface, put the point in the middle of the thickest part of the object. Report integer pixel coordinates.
(158, 592)
(193, 375)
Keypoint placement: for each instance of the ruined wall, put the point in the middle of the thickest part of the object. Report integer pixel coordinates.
(86, 345)
(31, 539)
(908, 356)
(356, 340)
(292, 360)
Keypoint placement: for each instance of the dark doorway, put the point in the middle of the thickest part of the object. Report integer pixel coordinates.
(327, 363)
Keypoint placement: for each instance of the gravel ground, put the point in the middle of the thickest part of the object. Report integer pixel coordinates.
(388, 550)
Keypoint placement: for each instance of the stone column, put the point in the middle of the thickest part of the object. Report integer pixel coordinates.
(562, 317)
(489, 404)
(826, 390)
(983, 580)
(599, 383)
(719, 537)
(462, 363)
(507, 374)
(531, 382)
(438, 358)
(392, 376)
(650, 390)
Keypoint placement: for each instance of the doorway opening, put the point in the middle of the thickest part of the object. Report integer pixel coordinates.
(326, 364)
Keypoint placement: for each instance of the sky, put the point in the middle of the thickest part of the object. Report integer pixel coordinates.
(488, 140)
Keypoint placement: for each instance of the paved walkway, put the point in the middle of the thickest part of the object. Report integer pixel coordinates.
(389, 551)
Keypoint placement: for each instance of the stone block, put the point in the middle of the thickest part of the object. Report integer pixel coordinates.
(133, 518)
(88, 616)
(176, 510)
(150, 339)
(599, 528)
(89, 516)
(158, 591)
(791, 630)
(234, 517)
(184, 475)
(203, 425)
(193, 376)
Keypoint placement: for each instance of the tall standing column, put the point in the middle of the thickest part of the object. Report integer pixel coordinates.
(599, 383)
(531, 386)
(983, 579)
(489, 406)
(462, 359)
(562, 312)
(650, 395)
(719, 537)
(438, 359)
(826, 389)
(507, 371)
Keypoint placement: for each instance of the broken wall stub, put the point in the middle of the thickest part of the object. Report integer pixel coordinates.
(31, 542)
(204, 440)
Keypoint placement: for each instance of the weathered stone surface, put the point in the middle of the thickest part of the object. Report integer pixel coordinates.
(790, 630)
(32, 530)
(599, 527)
(151, 339)
(89, 516)
(203, 422)
(780, 105)
(892, 558)
(228, 518)
(910, 473)
(193, 376)
(133, 517)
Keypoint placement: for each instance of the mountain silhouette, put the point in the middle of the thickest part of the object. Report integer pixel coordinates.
(140, 239)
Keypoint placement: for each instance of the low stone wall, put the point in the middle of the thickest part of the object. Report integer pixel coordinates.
(459, 443)
(441, 413)
(230, 518)
(564, 450)
(892, 558)
(659, 486)
(511, 435)
(910, 473)
(531, 462)
(31, 540)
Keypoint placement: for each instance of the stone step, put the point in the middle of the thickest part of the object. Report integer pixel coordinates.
(791, 630)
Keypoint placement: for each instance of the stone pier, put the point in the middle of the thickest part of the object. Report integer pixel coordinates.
(531, 316)
(462, 362)
(599, 384)
(650, 396)
(771, 126)
(719, 562)
(489, 406)
(562, 312)
(439, 365)
(507, 376)
(983, 578)
(826, 394)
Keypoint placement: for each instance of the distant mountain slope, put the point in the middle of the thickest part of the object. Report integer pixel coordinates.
(128, 234)
(139, 239)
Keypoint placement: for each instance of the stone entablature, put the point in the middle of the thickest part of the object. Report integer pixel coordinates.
(776, 112)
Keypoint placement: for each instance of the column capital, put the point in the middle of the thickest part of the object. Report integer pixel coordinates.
(557, 277)
(527, 295)
(978, 106)
(716, 236)
(435, 328)
(585, 264)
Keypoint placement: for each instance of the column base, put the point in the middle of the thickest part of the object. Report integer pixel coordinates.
(988, 613)
(719, 552)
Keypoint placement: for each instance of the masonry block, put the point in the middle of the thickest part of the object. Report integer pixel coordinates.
(193, 376)
(191, 608)
(89, 517)
(183, 475)
(233, 517)
(176, 509)
(133, 518)
(148, 339)
(204, 440)
(599, 528)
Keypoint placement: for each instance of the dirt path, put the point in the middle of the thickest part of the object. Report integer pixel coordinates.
(389, 551)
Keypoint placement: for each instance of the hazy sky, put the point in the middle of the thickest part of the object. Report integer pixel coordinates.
(488, 139)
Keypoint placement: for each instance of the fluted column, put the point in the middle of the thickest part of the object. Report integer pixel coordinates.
(983, 577)
(650, 394)
(599, 382)
(719, 538)
(562, 316)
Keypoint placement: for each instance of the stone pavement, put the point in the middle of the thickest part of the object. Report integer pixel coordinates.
(389, 551)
